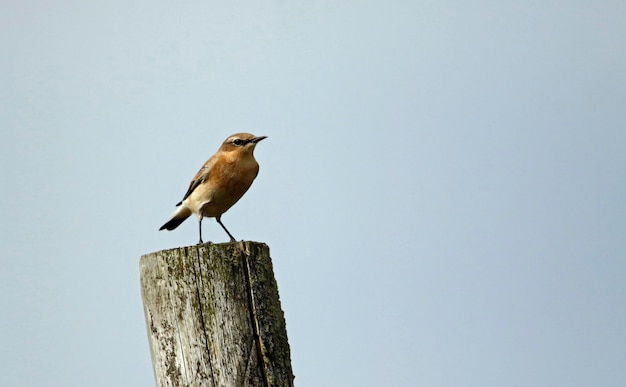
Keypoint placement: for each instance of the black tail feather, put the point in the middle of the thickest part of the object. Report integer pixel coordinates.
(172, 223)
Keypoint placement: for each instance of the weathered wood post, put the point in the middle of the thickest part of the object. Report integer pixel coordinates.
(214, 318)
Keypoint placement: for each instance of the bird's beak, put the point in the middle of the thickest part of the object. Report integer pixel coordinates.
(257, 139)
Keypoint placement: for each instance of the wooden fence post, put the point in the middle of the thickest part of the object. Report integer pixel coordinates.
(214, 318)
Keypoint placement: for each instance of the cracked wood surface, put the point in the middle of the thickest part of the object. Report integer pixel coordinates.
(213, 317)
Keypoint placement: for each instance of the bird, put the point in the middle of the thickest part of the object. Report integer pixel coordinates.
(220, 183)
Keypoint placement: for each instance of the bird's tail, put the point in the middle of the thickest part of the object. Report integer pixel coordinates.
(179, 216)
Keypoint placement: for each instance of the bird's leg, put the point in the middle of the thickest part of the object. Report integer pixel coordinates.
(200, 229)
(218, 218)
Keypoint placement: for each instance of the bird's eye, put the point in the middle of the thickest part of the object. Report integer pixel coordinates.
(238, 141)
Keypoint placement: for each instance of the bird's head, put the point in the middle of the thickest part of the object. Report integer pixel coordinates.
(241, 142)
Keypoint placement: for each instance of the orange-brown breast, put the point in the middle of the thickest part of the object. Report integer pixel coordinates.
(230, 177)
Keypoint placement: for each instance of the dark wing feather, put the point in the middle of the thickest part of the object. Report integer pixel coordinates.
(200, 177)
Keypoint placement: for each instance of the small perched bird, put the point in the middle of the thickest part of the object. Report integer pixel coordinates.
(220, 183)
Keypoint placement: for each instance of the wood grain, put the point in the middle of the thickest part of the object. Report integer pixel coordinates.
(214, 318)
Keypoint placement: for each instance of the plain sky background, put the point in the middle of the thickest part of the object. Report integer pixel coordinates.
(443, 188)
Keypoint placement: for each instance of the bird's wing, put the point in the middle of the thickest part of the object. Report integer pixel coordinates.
(200, 178)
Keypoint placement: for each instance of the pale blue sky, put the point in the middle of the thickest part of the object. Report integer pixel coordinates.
(443, 188)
